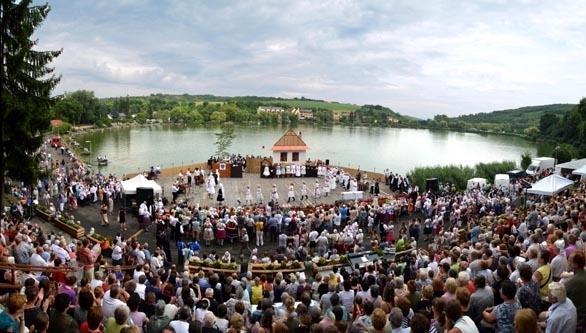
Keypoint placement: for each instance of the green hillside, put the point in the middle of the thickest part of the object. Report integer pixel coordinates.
(315, 104)
(522, 117)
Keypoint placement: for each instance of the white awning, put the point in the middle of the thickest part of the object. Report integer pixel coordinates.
(581, 171)
(550, 185)
(139, 181)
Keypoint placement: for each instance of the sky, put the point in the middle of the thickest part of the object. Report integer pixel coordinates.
(420, 58)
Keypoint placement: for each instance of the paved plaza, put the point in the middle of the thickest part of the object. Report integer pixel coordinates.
(235, 191)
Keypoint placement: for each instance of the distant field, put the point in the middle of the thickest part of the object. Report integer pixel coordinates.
(334, 106)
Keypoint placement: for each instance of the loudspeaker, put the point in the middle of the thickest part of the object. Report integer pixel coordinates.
(236, 171)
(327, 162)
(432, 184)
(145, 194)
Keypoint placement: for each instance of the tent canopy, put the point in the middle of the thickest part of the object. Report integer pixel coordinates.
(501, 180)
(550, 185)
(129, 186)
(581, 171)
(474, 182)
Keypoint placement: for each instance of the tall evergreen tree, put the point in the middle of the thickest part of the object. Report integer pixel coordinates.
(26, 83)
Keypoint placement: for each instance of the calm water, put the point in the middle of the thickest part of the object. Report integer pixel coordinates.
(136, 149)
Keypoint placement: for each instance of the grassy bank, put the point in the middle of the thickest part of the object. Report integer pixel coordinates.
(458, 174)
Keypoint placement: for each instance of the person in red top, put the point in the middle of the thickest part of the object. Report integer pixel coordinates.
(58, 276)
(87, 258)
(93, 324)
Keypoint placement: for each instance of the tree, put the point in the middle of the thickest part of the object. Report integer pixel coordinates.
(525, 160)
(68, 109)
(26, 82)
(90, 104)
(224, 139)
(218, 117)
(547, 122)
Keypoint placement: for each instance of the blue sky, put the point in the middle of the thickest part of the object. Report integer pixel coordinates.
(419, 58)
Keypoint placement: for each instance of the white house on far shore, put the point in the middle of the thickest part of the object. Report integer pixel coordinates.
(290, 148)
(270, 109)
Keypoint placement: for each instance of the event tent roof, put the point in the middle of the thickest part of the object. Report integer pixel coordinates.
(550, 185)
(581, 171)
(129, 186)
(574, 164)
(476, 182)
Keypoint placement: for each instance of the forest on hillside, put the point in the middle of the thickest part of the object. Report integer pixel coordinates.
(82, 107)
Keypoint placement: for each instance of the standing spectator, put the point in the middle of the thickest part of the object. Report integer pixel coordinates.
(504, 313)
(561, 316)
(575, 286)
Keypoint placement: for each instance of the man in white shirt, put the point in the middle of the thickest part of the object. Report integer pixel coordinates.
(181, 325)
(138, 272)
(60, 252)
(37, 260)
(111, 301)
(141, 287)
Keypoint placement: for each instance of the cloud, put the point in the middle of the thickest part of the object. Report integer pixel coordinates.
(418, 58)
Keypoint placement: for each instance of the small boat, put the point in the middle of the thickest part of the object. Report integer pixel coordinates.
(102, 160)
(86, 151)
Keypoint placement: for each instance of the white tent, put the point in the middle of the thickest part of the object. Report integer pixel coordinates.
(129, 186)
(502, 181)
(476, 182)
(550, 185)
(581, 171)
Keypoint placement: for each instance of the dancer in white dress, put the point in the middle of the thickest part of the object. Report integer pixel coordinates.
(278, 171)
(274, 193)
(266, 172)
(291, 193)
(317, 190)
(297, 170)
(304, 191)
(248, 195)
(287, 170)
(303, 170)
(327, 186)
(333, 181)
(211, 186)
(259, 196)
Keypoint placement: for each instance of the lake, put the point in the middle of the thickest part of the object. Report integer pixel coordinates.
(399, 149)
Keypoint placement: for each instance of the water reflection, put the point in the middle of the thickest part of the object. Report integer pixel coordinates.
(401, 150)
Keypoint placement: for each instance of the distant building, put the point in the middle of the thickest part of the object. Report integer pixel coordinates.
(393, 120)
(337, 115)
(270, 109)
(290, 148)
(303, 114)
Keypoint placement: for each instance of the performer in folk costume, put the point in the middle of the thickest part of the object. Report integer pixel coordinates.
(291, 193)
(259, 197)
(208, 232)
(304, 191)
(297, 170)
(327, 186)
(211, 186)
(248, 195)
(317, 190)
(303, 170)
(278, 171)
(220, 231)
(274, 193)
(266, 172)
(221, 195)
(287, 170)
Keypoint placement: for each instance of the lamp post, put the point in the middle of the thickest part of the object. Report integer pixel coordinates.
(90, 143)
(555, 154)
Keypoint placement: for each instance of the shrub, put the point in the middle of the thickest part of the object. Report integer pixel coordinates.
(458, 174)
(525, 160)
